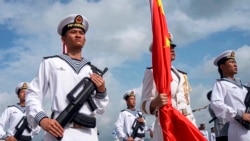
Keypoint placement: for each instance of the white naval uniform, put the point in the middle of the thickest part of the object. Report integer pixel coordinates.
(212, 136)
(205, 134)
(183, 98)
(227, 101)
(57, 76)
(10, 118)
(149, 92)
(123, 125)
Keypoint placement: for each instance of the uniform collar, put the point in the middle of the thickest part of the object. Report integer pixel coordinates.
(21, 108)
(76, 65)
(237, 81)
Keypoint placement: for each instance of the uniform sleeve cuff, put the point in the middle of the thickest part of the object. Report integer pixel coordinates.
(147, 107)
(239, 115)
(101, 95)
(125, 139)
(40, 116)
(5, 136)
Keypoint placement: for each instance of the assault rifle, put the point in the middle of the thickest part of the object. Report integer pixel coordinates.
(69, 114)
(244, 123)
(20, 127)
(247, 100)
(136, 125)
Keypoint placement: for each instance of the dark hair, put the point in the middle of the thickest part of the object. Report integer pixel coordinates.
(220, 72)
(18, 92)
(127, 96)
(209, 94)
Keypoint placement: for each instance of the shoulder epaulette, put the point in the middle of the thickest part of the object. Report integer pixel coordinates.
(181, 71)
(47, 57)
(149, 68)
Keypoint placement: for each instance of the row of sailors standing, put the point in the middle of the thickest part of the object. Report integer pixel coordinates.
(58, 75)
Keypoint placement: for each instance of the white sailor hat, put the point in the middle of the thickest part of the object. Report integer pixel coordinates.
(128, 94)
(224, 56)
(22, 85)
(73, 21)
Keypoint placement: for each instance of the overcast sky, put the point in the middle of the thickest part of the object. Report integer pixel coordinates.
(118, 38)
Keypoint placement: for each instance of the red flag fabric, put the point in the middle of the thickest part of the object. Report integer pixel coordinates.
(175, 126)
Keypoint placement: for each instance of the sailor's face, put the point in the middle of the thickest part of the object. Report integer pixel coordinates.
(131, 101)
(230, 67)
(74, 38)
(21, 94)
(172, 51)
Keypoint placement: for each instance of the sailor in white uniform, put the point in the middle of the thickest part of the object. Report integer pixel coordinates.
(57, 76)
(13, 118)
(125, 124)
(228, 95)
(151, 100)
(212, 134)
(203, 131)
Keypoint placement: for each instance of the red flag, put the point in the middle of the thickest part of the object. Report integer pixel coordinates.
(175, 126)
